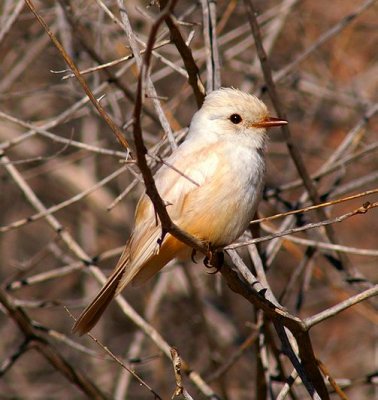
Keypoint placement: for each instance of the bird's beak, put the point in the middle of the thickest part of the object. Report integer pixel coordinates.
(268, 122)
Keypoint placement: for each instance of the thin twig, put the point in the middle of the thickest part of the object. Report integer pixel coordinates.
(63, 204)
(151, 91)
(52, 355)
(346, 21)
(194, 77)
(167, 225)
(330, 312)
(290, 142)
(360, 210)
(329, 246)
(80, 78)
(211, 48)
(332, 381)
(333, 167)
(314, 207)
(99, 276)
(118, 360)
(11, 19)
(180, 391)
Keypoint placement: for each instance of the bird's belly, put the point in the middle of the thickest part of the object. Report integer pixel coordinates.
(228, 219)
(221, 211)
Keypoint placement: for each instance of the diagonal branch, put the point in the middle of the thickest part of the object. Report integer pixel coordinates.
(290, 143)
(42, 345)
(167, 225)
(187, 57)
(360, 210)
(80, 78)
(82, 34)
(70, 242)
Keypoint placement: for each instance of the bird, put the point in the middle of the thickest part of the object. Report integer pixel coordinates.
(211, 184)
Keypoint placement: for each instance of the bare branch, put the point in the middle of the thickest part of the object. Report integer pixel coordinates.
(194, 77)
(36, 341)
(80, 78)
(290, 142)
(360, 210)
(330, 312)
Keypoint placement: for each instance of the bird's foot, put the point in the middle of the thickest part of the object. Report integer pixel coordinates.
(214, 259)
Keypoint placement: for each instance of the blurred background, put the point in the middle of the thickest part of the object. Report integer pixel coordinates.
(57, 151)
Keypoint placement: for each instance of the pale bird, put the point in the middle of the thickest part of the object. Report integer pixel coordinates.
(213, 197)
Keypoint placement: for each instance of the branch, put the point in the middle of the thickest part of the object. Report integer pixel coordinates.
(213, 81)
(324, 38)
(9, 20)
(150, 89)
(360, 210)
(194, 77)
(330, 312)
(180, 391)
(63, 204)
(119, 361)
(80, 78)
(307, 367)
(83, 36)
(167, 225)
(314, 207)
(70, 242)
(35, 340)
(290, 143)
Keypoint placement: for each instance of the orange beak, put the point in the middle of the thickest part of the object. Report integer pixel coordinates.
(269, 122)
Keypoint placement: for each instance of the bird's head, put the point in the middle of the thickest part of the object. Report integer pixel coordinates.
(233, 113)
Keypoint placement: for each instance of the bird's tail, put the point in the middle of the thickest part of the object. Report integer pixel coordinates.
(92, 313)
(136, 270)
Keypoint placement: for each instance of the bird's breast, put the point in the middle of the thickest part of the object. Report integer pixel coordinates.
(220, 210)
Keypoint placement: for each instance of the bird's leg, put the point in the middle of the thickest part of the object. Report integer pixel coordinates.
(214, 259)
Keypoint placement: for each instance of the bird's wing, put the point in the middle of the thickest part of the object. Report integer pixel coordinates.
(186, 172)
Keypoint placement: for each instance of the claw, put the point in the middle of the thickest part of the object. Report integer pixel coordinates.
(214, 260)
(208, 257)
(206, 262)
(213, 272)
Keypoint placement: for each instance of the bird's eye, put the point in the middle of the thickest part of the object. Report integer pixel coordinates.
(235, 118)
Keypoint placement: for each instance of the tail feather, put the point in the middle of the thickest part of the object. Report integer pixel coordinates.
(143, 250)
(96, 308)
(137, 269)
